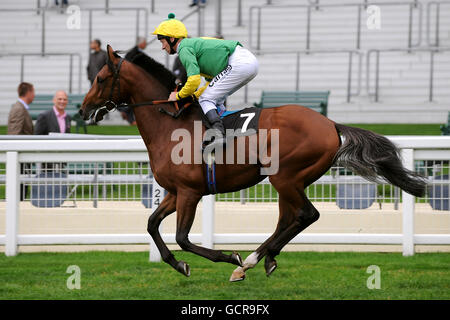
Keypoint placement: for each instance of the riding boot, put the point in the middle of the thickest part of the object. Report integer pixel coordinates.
(217, 125)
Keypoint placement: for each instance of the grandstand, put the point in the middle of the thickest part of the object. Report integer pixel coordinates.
(309, 41)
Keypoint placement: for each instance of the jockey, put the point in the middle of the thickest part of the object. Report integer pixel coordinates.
(225, 65)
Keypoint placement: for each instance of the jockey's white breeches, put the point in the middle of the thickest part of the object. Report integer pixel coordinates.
(242, 67)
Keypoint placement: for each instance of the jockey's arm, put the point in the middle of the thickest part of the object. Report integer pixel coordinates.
(189, 91)
(189, 87)
(199, 92)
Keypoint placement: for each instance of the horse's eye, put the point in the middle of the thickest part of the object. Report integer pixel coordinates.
(100, 80)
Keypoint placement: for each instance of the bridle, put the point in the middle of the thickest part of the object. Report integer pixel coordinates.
(110, 105)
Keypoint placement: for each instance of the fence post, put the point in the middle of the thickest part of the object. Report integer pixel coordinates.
(408, 208)
(43, 33)
(218, 10)
(157, 197)
(349, 76)
(12, 202)
(208, 221)
(239, 14)
(70, 73)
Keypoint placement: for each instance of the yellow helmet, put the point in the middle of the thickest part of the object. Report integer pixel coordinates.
(171, 28)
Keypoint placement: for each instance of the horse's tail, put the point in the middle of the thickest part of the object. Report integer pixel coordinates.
(371, 156)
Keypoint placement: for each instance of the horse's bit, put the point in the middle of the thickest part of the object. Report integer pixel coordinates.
(110, 104)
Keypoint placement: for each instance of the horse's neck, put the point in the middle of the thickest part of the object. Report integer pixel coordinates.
(155, 127)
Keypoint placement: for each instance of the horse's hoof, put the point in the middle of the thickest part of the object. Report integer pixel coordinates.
(236, 259)
(237, 275)
(270, 267)
(183, 268)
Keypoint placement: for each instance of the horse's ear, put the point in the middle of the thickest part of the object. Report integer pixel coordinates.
(111, 55)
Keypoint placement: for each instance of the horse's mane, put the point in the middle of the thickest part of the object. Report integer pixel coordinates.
(156, 69)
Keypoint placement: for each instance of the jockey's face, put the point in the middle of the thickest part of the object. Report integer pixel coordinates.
(165, 45)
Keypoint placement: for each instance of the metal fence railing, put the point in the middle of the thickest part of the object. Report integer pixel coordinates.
(437, 21)
(128, 177)
(255, 20)
(43, 27)
(71, 66)
(56, 173)
(376, 73)
(352, 59)
(64, 184)
(349, 191)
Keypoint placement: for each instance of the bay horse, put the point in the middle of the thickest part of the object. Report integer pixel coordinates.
(309, 144)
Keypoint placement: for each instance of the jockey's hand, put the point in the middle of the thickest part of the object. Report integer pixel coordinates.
(173, 96)
(188, 99)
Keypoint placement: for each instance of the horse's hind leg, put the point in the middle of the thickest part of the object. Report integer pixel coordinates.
(186, 206)
(296, 214)
(304, 217)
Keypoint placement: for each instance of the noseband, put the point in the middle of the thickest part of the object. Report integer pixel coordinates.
(110, 104)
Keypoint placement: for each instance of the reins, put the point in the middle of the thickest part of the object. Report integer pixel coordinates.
(162, 110)
(110, 105)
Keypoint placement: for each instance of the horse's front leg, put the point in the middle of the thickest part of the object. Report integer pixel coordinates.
(166, 207)
(186, 206)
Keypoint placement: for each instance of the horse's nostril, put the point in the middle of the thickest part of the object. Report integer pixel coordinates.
(80, 112)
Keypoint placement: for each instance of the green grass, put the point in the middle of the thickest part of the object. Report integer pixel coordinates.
(99, 129)
(300, 275)
(385, 129)
(111, 130)
(402, 129)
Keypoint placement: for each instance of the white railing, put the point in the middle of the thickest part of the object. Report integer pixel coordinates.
(16, 152)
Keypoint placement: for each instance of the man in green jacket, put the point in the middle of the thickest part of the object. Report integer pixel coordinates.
(225, 65)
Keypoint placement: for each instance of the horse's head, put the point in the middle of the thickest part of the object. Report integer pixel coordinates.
(107, 91)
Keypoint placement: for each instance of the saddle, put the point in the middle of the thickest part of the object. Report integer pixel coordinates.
(237, 123)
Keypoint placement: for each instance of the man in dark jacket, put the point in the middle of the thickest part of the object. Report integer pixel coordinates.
(126, 112)
(56, 119)
(97, 60)
(137, 49)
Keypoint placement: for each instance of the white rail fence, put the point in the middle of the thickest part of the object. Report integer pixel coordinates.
(17, 152)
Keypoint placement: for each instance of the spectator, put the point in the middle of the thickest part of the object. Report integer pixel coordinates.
(19, 119)
(126, 112)
(97, 60)
(195, 2)
(179, 71)
(19, 122)
(64, 3)
(137, 49)
(56, 119)
(128, 115)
